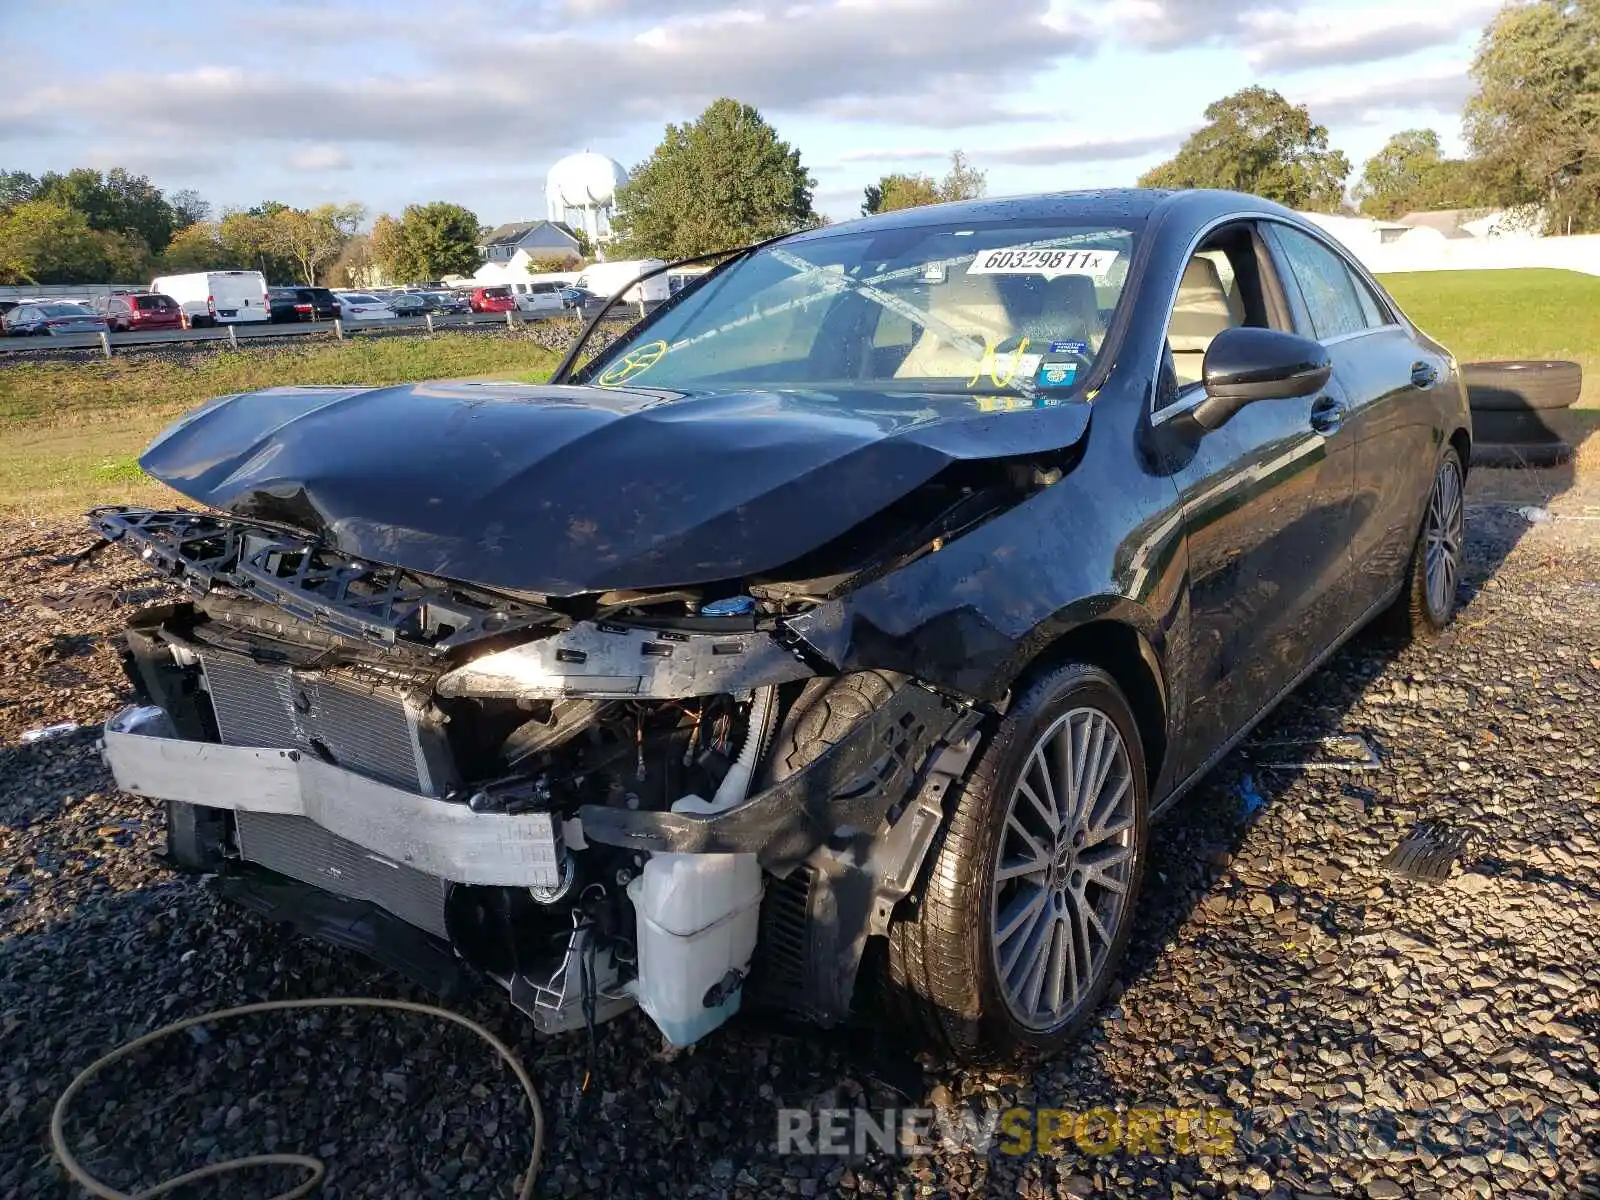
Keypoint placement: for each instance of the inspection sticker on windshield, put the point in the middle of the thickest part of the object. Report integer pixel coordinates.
(1048, 263)
(1058, 374)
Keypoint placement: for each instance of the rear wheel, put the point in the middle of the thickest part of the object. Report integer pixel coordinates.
(1025, 915)
(1427, 601)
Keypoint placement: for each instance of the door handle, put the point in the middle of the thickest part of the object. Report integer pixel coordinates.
(1327, 414)
(1423, 375)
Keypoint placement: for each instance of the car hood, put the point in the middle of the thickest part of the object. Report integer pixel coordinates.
(564, 489)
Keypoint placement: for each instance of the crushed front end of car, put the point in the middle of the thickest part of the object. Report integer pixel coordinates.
(634, 688)
(612, 799)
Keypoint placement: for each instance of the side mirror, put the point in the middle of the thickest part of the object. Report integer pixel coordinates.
(1243, 365)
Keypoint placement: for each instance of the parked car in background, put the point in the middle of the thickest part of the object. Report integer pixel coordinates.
(444, 302)
(408, 304)
(578, 298)
(542, 299)
(492, 299)
(52, 318)
(217, 297)
(138, 311)
(302, 304)
(361, 306)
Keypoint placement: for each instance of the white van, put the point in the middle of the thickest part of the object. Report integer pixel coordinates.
(608, 278)
(217, 297)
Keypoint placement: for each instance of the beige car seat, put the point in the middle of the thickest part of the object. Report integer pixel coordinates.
(1001, 308)
(969, 304)
(1204, 309)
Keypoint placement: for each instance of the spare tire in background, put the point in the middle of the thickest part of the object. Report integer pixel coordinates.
(1519, 411)
(1521, 386)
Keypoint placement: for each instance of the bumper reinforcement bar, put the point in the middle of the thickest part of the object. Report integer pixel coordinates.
(436, 837)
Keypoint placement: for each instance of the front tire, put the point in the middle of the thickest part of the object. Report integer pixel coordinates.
(1427, 601)
(1029, 899)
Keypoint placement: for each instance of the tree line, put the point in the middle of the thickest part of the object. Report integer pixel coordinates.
(1531, 125)
(726, 179)
(1532, 129)
(91, 227)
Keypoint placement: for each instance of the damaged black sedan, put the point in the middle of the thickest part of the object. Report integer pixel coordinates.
(826, 642)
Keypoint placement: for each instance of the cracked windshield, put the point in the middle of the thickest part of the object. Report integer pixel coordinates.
(973, 310)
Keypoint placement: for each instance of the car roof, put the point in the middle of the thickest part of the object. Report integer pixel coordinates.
(1108, 205)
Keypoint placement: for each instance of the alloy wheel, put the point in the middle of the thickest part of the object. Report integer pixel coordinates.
(1062, 874)
(1442, 539)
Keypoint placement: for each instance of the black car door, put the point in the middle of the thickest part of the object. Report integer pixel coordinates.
(1266, 504)
(1386, 374)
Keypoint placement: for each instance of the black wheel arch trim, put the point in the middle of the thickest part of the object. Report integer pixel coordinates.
(844, 795)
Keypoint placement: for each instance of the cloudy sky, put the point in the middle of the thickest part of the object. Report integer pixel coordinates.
(394, 101)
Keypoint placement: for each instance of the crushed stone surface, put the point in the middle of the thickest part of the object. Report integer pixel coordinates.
(1367, 1035)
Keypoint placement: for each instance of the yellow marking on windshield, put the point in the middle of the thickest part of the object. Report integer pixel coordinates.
(990, 363)
(634, 362)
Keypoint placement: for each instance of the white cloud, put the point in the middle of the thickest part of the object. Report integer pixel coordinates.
(166, 164)
(323, 157)
(494, 87)
(1276, 35)
(1442, 89)
(1280, 41)
(1164, 24)
(894, 154)
(1087, 150)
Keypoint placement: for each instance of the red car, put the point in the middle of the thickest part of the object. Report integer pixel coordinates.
(139, 312)
(492, 300)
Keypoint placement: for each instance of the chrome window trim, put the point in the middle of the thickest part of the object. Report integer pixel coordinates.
(1190, 394)
(1360, 333)
(1158, 414)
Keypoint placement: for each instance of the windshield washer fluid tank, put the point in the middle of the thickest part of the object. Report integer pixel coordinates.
(698, 917)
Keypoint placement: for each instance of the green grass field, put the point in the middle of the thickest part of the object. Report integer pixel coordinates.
(71, 433)
(1508, 314)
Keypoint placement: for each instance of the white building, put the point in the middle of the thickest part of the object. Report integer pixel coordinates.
(552, 238)
(519, 271)
(1460, 240)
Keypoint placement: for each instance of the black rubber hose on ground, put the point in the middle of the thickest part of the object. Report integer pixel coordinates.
(314, 1167)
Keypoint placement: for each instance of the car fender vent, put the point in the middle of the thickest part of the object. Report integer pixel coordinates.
(780, 972)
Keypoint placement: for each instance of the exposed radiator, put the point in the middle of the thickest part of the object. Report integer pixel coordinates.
(374, 730)
(303, 850)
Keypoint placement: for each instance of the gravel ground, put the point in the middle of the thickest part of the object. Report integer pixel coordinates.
(1275, 970)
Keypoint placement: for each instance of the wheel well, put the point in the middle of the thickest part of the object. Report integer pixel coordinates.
(1121, 652)
(1462, 442)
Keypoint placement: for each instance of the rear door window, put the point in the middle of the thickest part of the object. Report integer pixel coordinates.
(1336, 303)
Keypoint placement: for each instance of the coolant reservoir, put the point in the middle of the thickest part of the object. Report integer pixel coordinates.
(696, 932)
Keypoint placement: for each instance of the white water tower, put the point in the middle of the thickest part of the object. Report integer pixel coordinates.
(581, 190)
